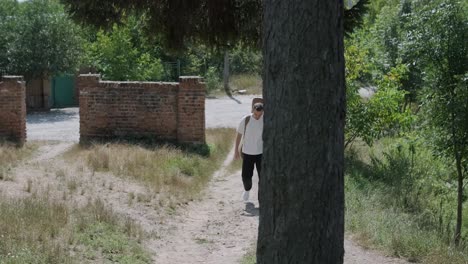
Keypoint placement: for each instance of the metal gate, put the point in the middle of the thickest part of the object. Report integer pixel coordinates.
(63, 91)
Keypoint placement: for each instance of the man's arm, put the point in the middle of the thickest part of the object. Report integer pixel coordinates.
(236, 150)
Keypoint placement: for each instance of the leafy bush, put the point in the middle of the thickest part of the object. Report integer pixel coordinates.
(382, 114)
(116, 57)
(212, 79)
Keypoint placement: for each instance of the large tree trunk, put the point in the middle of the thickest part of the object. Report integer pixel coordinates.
(302, 187)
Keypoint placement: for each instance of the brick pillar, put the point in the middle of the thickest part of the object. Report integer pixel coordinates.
(84, 83)
(191, 110)
(13, 109)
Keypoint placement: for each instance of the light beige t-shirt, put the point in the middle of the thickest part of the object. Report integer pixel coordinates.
(253, 142)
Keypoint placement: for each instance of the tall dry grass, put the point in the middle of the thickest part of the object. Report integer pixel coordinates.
(30, 232)
(11, 155)
(36, 230)
(250, 82)
(168, 169)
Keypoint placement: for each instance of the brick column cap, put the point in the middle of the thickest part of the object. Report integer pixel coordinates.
(90, 75)
(190, 78)
(12, 78)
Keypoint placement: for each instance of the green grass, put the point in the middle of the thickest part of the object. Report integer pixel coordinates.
(181, 172)
(402, 202)
(39, 231)
(250, 257)
(112, 244)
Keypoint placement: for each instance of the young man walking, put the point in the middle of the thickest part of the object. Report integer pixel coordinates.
(249, 145)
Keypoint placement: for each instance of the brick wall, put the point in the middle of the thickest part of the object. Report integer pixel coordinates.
(191, 110)
(13, 109)
(165, 111)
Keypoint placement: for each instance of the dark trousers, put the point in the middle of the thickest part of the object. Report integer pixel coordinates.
(248, 163)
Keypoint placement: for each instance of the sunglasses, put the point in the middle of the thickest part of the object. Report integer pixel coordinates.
(259, 108)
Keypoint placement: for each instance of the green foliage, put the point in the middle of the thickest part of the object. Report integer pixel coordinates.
(444, 118)
(7, 30)
(201, 60)
(212, 80)
(375, 9)
(384, 37)
(401, 198)
(383, 113)
(116, 57)
(196, 59)
(245, 60)
(149, 68)
(445, 104)
(415, 52)
(444, 55)
(39, 39)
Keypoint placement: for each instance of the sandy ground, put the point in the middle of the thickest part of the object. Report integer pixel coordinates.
(218, 228)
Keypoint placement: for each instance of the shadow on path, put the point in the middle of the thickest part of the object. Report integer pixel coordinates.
(236, 100)
(251, 210)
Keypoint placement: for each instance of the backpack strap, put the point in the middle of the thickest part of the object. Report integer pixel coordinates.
(247, 119)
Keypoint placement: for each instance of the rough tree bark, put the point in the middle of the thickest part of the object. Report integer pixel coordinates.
(302, 187)
(458, 226)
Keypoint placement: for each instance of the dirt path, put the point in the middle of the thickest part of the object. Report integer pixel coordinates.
(219, 228)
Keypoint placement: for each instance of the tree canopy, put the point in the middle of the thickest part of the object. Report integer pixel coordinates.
(177, 22)
(213, 21)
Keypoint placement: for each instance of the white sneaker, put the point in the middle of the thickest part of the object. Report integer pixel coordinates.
(245, 196)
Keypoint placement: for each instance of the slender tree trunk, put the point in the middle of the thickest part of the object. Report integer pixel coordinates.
(302, 186)
(460, 201)
(226, 74)
(458, 165)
